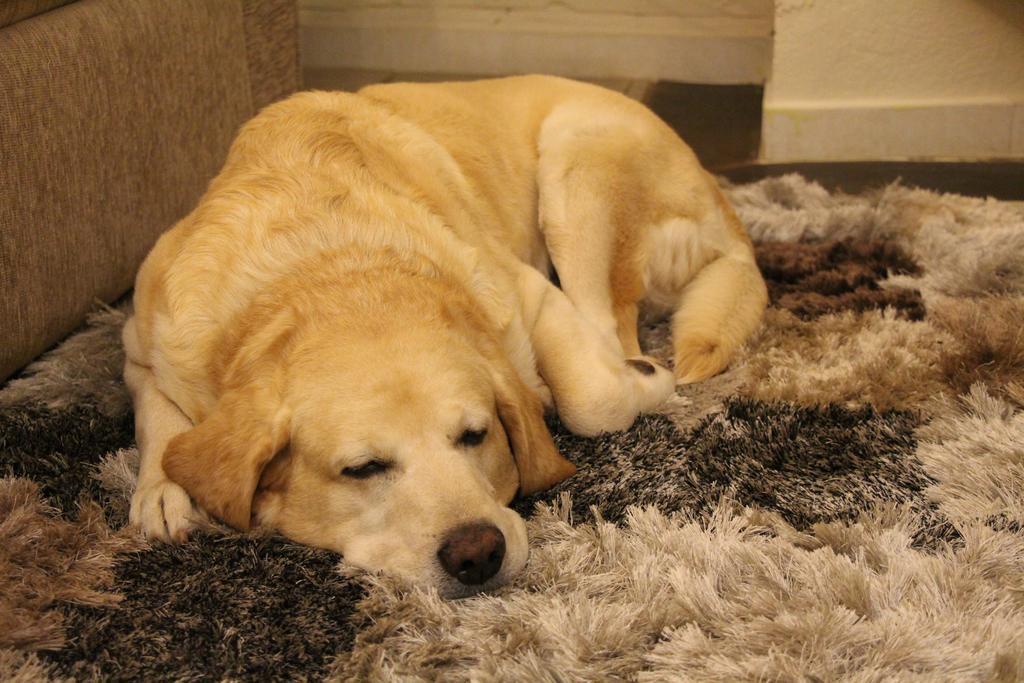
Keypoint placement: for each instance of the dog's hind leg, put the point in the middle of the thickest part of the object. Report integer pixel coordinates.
(594, 388)
(591, 216)
(627, 214)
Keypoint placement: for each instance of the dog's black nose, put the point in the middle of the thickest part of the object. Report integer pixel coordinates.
(473, 553)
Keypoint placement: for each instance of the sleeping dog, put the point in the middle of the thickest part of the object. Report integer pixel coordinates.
(354, 336)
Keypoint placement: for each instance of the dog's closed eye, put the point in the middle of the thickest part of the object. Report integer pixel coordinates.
(366, 470)
(471, 437)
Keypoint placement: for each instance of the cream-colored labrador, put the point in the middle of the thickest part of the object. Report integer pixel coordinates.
(353, 337)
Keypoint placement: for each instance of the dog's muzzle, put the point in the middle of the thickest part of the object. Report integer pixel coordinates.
(473, 553)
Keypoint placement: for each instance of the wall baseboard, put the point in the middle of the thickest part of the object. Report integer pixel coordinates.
(724, 54)
(829, 131)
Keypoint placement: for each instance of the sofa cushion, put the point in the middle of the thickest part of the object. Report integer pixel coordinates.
(114, 115)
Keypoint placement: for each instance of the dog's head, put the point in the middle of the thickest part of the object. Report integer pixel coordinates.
(397, 446)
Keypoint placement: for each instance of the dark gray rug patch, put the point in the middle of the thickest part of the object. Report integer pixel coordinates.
(814, 279)
(217, 607)
(809, 464)
(59, 449)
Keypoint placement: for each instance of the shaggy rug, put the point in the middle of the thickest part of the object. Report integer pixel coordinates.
(844, 503)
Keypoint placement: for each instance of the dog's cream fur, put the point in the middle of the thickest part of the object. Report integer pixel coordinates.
(367, 279)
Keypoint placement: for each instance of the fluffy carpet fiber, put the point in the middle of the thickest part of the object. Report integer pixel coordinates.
(844, 503)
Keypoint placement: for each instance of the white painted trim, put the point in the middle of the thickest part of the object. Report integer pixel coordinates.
(711, 50)
(858, 130)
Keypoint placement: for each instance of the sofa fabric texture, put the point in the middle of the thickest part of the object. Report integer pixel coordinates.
(114, 116)
(272, 49)
(16, 10)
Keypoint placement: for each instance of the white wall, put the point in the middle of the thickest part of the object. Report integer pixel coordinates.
(876, 79)
(707, 41)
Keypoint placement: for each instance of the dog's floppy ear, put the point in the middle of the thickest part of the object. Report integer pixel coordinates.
(540, 464)
(219, 462)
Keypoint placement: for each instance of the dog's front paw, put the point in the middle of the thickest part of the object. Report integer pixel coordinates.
(654, 381)
(164, 511)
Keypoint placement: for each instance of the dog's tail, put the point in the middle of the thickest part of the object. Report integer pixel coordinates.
(717, 311)
(720, 307)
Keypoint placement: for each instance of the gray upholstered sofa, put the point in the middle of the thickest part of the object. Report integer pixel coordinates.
(114, 115)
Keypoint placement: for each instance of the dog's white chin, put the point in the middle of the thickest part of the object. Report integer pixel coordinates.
(451, 589)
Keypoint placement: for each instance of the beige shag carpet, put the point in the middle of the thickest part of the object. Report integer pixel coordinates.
(844, 503)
